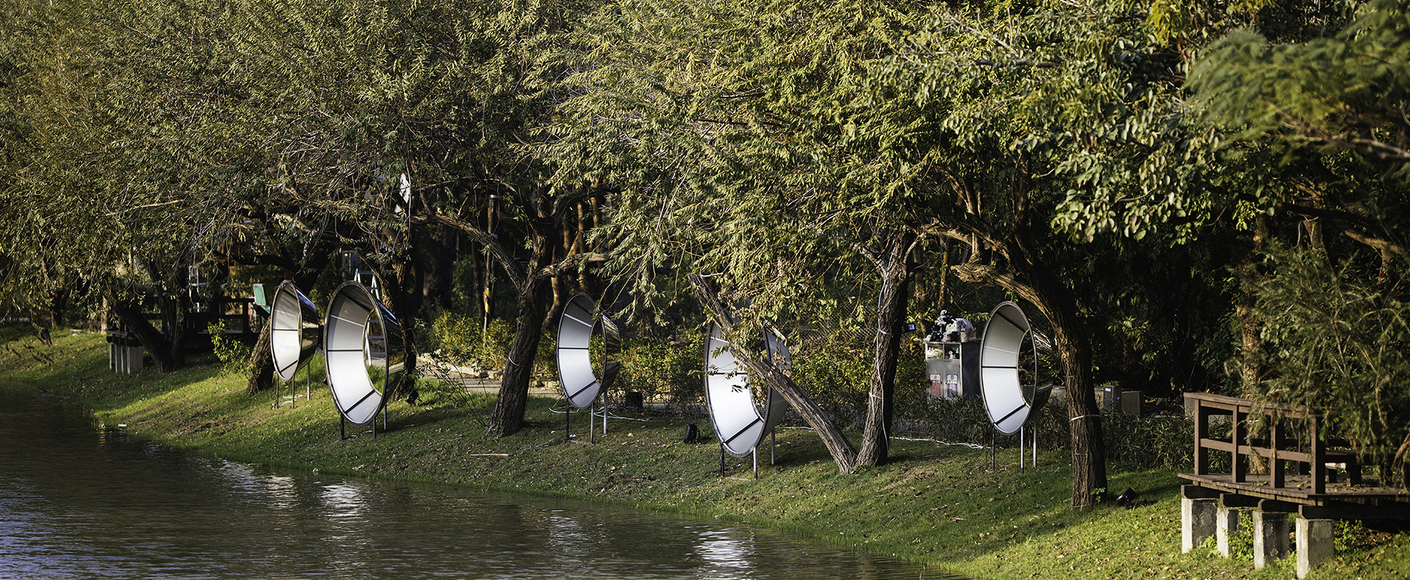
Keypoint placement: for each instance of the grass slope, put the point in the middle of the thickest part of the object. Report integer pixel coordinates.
(941, 505)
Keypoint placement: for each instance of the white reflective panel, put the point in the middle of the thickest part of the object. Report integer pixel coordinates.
(739, 424)
(294, 331)
(285, 314)
(284, 352)
(1001, 343)
(732, 405)
(352, 388)
(998, 372)
(1014, 421)
(719, 358)
(576, 378)
(575, 329)
(363, 348)
(575, 375)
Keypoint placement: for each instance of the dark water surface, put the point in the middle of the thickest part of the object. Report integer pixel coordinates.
(77, 501)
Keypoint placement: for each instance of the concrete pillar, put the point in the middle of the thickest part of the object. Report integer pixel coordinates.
(1196, 522)
(1226, 523)
(1314, 544)
(1270, 537)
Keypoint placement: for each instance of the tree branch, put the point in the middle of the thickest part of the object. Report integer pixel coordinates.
(517, 275)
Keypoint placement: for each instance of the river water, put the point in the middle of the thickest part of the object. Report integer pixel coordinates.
(78, 501)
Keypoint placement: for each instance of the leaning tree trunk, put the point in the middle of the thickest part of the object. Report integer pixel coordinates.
(261, 363)
(837, 445)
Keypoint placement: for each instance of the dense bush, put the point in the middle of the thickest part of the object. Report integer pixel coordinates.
(458, 340)
(671, 370)
(836, 373)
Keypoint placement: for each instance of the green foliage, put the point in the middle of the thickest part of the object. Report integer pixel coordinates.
(665, 369)
(1339, 343)
(1150, 441)
(1346, 91)
(455, 338)
(960, 420)
(234, 356)
(836, 373)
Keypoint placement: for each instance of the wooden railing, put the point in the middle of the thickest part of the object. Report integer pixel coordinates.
(1290, 436)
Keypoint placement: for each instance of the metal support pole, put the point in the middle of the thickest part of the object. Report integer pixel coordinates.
(342, 427)
(592, 422)
(1021, 446)
(308, 382)
(773, 446)
(722, 460)
(1035, 447)
(756, 462)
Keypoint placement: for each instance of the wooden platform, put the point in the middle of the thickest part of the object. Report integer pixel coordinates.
(1303, 472)
(1339, 501)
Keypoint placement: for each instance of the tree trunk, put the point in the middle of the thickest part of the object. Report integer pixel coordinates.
(1040, 287)
(1250, 341)
(261, 365)
(507, 418)
(405, 293)
(155, 343)
(837, 445)
(508, 415)
(58, 304)
(890, 318)
(1084, 418)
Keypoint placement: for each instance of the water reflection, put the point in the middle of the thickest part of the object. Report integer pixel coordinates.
(727, 553)
(80, 502)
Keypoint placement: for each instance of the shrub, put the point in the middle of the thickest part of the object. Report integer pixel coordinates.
(836, 374)
(672, 369)
(234, 355)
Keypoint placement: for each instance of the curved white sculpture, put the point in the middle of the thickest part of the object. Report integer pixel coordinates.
(739, 423)
(294, 331)
(362, 350)
(576, 377)
(1005, 399)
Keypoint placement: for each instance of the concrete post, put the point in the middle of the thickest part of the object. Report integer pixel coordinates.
(1226, 523)
(1196, 522)
(1314, 544)
(1270, 537)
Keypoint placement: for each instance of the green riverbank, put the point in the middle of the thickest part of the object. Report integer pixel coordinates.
(933, 503)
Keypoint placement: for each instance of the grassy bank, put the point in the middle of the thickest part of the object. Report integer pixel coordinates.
(933, 503)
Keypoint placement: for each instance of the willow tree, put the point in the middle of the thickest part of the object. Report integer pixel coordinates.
(731, 130)
(385, 124)
(113, 188)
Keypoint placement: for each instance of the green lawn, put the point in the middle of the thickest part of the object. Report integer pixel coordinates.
(941, 505)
